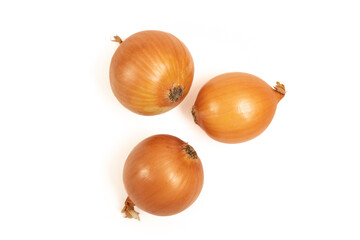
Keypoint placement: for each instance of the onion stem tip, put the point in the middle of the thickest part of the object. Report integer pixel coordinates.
(280, 88)
(129, 210)
(117, 39)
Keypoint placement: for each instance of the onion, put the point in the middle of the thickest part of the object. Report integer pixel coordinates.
(236, 107)
(151, 72)
(162, 175)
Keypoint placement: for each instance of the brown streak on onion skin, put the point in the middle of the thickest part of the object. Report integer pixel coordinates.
(145, 70)
(236, 107)
(163, 175)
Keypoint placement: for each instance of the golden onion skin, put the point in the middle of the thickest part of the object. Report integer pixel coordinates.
(151, 72)
(236, 107)
(162, 175)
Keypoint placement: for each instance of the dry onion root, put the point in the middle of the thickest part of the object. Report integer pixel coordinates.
(151, 72)
(162, 176)
(236, 107)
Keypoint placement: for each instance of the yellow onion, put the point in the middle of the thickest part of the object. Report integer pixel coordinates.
(236, 107)
(151, 72)
(162, 175)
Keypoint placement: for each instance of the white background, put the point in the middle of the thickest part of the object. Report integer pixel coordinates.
(64, 137)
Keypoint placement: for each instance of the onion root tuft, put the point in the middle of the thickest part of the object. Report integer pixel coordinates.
(176, 93)
(194, 114)
(190, 151)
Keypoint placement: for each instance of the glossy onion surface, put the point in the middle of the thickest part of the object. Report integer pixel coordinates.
(162, 175)
(151, 72)
(236, 107)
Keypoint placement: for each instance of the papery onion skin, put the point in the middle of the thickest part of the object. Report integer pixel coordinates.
(151, 72)
(163, 175)
(236, 107)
